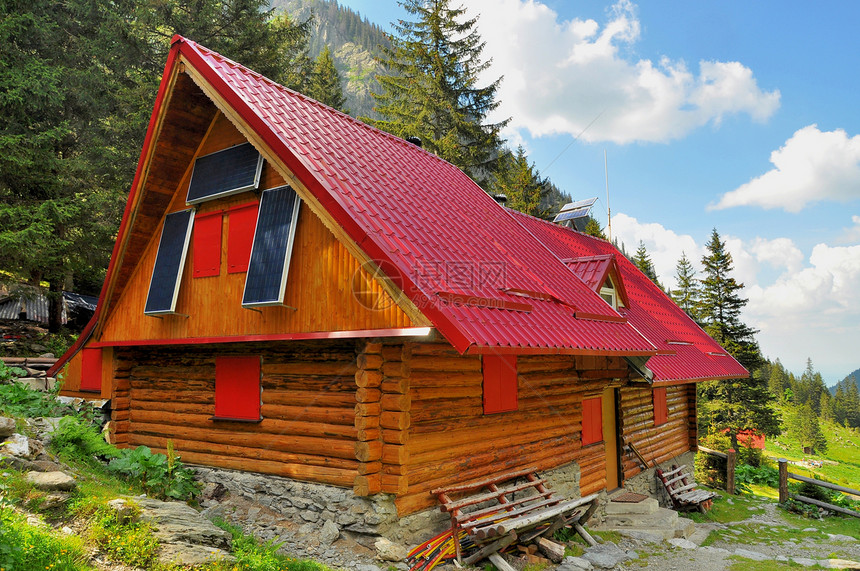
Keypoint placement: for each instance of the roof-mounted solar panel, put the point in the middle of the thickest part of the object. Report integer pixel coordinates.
(222, 173)
(169, 263)
(571, 214)
(272, 247)
(576, 212)
(588, 202)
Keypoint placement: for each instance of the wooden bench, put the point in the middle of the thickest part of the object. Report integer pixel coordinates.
(683, 491)
(509, 508)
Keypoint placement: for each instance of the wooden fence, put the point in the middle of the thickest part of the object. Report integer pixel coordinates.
(784, 475)
(731, 460)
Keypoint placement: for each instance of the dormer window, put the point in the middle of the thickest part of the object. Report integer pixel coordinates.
(609, 294)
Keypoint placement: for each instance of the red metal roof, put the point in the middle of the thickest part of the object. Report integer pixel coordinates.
(685, 351)
(457, 251)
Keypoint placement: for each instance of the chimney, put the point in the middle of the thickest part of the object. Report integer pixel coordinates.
(414, 140)
(500, 198)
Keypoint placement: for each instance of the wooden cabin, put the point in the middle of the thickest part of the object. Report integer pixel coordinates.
(293, 292)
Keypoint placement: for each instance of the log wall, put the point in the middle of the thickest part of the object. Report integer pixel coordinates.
(327, 286)
(656, 443)
(451, 440)
(308, 431)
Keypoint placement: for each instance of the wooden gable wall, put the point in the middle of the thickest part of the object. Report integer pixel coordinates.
(322, 281)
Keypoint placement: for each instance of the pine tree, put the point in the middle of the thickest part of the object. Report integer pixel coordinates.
(686, 295)
(643, 261)
(806, 428)
(592, 228)
(736, 404)
(520, 182)
(431, 89)
(325, 84)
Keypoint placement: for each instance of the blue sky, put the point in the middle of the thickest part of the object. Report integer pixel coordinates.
(739, 116)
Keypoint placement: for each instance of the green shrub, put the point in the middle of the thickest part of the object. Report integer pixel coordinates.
(77, 440)
(709, 469)
(8, 373)
(161, 476)
(254, 556)
(765, 475)
(22, 401)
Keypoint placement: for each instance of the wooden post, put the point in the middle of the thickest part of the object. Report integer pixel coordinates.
(731, 459)
(783, 480)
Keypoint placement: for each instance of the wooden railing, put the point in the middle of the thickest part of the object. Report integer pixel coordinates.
(731, 461)
(784, 475)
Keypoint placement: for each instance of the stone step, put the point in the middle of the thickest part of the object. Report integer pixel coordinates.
(646, 506)
(657, 526)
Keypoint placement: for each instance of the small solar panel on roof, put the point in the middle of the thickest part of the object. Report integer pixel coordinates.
(587, 203)
(572, 214)
(169, 262)
(222, 173)
(272, 247)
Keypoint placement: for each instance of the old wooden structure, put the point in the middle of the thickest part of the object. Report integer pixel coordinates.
(293, 292)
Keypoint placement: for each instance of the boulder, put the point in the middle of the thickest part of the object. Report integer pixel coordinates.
(51, 481)
(7, 426)
(388, 551)
(329, 533)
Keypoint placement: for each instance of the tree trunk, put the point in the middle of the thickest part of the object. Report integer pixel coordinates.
(55, 306)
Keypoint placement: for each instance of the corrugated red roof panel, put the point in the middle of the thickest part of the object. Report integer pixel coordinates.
(423, 216)
(686, 352)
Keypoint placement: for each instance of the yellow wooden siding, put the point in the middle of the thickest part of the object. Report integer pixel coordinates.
(322, 280)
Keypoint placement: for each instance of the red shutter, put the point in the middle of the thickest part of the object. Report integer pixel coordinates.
(243, 220)
(661, 411)
(237, 388)
(500, 383)
(91, 370)
(592, 420)
(207, 245)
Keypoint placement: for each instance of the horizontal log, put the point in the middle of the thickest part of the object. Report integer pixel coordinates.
(395, 469)
(183, 445)
(395, 454)
(321, 414)
(372, 347)
(368, 409)
(306, 398)
(395, 369)
(368, 451)
(392, 352)
(390, 436)
(420, 363)
(365, 468)
(367, 485)
(118, 415)
(432, 393)
(366, 422)
(368, 379)
(232, 434)
(320, 474)
(342, 368)
(365, 434)
(395, 402)
(423, 379)
(166, 396)
(271, 425)
(432, 350)
(391, 484)
(368, 395)
(369, 361)
(397, 385)
(394, 420)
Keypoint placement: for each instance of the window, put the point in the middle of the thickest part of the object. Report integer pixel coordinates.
(608, 293)
(207, 245)
(237, 388)
(661, 411)
(500, 383)
(169, 263)
(91, 370)
(592, 421)
(240, 236)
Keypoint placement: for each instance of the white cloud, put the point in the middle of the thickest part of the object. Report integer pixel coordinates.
(561, 75)
(851, 235)
(810, 310)
(811, 166)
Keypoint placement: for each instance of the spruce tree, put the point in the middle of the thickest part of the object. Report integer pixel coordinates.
(735, 404)
(325, 83)
(431, 89)
(686, 295)
(643, 261)
(520, 182)
(592, 228)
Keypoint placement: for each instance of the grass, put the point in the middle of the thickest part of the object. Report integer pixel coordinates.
(23, 546)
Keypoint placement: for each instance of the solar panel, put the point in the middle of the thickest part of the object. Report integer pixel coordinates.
(588, 202)
(572, 214)
(225, 172)
(272, 247)
(169, 262)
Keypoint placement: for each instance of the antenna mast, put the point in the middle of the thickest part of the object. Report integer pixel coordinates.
(608, 208)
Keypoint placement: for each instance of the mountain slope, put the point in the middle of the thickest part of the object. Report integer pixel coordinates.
(354, 42)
